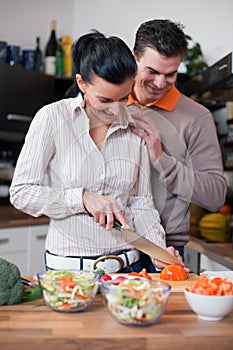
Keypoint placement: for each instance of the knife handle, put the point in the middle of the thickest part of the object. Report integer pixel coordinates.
(117, 225)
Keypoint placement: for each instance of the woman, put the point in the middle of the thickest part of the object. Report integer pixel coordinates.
(95, 165)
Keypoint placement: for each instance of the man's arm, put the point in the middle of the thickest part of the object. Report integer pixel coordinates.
(200, 179)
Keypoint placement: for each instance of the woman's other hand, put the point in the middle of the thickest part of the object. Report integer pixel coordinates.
(171, 250)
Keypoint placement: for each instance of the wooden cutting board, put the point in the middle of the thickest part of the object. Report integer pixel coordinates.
(177, 286)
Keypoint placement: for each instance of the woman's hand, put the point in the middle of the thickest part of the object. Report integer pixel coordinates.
(103, 209)
(171, 250)
(147, 130)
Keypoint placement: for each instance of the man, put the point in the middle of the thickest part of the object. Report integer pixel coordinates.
(180, 134)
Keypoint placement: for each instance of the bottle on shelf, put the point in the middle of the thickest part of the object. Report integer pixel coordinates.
(50, 51)
(67, 49)
(59, 70)
(38, 56)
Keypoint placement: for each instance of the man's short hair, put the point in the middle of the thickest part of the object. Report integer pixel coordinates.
(163, 35)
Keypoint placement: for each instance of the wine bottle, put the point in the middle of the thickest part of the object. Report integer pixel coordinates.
(67, 49)
(59, 71)
(38, 56)
(50, 51)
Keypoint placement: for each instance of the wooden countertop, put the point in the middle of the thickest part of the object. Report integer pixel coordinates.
(222, 253)
(26, 326)
(11, 217)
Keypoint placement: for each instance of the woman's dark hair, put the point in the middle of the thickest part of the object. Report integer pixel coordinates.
(108, 58)
(163, 35)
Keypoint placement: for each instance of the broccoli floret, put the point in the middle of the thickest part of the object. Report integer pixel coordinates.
(11, 287)
(99, 272)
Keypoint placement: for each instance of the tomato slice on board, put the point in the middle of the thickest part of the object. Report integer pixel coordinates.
(142, 273)
(173, 273)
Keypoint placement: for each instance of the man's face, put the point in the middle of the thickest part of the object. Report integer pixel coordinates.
(156, 74)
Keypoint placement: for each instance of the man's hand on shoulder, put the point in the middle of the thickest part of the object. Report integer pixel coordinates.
(146, 129)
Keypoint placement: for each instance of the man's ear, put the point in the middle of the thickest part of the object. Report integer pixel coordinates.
(81, 83)
(135, 57)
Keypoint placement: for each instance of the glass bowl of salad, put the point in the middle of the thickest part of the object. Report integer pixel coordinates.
(67, 290)
(136, 302)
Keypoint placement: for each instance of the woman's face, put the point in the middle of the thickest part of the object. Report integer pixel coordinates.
(102, 98)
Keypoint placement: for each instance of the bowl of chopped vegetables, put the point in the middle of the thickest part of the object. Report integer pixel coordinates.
(210, 299)
(135, 302)
(67, 290)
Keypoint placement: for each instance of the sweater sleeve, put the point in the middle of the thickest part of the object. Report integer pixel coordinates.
(200, 178)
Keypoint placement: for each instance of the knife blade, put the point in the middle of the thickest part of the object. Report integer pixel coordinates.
(28, 283)
(146, 246)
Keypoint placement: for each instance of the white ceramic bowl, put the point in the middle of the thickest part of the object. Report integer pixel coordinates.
(209, 307)
(136, 302)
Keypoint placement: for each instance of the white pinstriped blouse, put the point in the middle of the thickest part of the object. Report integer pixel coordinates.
(58, 144)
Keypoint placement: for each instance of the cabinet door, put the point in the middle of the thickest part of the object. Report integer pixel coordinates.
(36, 243)
(13, 247)
(206, 264)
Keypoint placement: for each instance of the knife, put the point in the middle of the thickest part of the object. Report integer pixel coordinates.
(28, 283)
(145, 245)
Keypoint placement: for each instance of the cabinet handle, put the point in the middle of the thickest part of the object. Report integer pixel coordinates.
(18, 117)
(224, 66)
(4, 240)
(41, 237)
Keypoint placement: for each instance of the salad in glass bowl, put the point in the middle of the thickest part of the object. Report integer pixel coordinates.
(136, 302)
(67, 290)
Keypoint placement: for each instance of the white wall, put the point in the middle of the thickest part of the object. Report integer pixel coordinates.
(208, 22)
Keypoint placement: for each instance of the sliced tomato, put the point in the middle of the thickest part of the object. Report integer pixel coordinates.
(105, 277)
(118, 279)
(216, 286)
(217, 281)
(173, 273)
(142, 273)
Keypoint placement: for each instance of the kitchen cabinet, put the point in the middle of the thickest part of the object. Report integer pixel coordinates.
(22, 93)
(24, 246)
(36, 242)
(207, 264)
(201, 255)
(198, 262)
(30, 90)
(13, 246)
